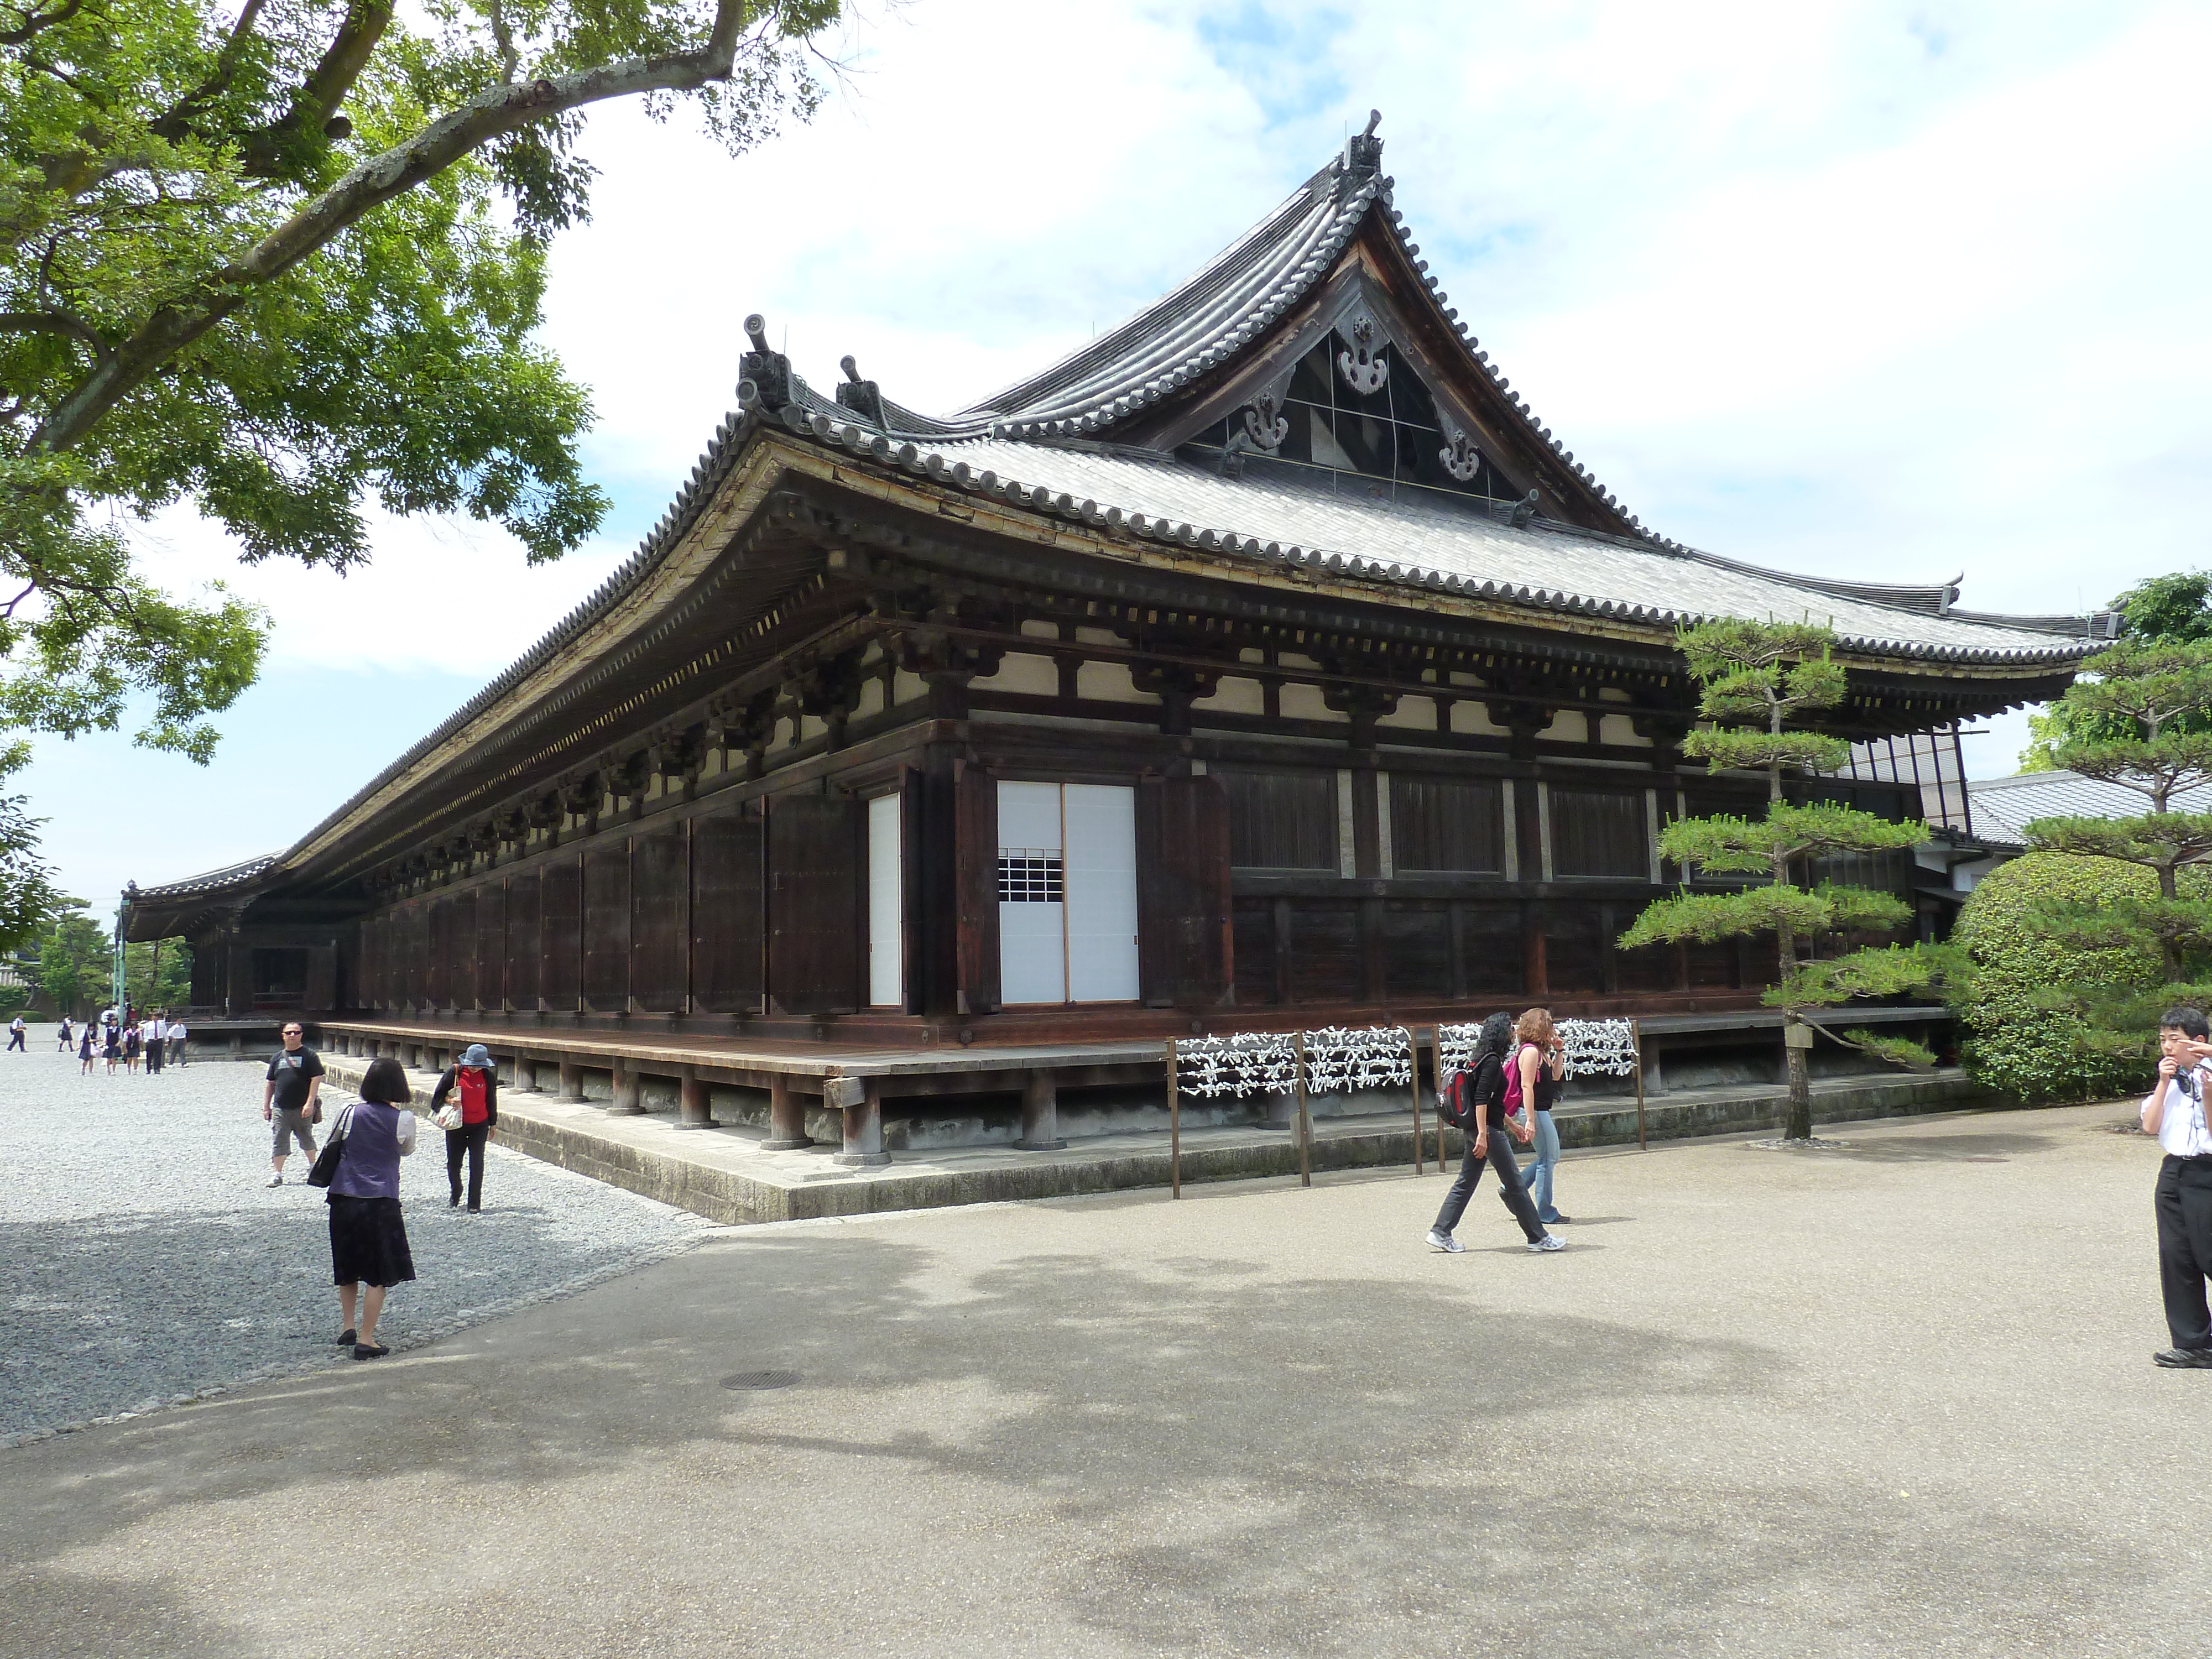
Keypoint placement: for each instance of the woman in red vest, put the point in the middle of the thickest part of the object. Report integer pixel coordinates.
(474, 1085)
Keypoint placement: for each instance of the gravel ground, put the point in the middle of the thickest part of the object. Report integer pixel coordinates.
(143, 1262)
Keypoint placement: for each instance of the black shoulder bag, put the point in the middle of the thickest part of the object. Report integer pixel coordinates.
(326, 1161)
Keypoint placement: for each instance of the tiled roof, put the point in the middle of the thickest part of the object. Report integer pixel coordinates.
(1277, 512)
(211, 881)
(2004, 807)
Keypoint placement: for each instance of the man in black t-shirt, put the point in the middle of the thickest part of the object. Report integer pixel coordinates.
(291, 1098)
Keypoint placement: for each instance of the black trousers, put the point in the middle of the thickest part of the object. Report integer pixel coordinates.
(15, 1042)
(2184, 1247)
(468, 1141)
(1511, 1191)
(153, 1056)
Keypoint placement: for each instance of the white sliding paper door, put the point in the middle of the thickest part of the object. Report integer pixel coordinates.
(886, 906)
(1101, 892)
(1067, 893)
(1032, 909)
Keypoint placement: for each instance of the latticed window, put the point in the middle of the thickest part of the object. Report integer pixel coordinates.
(1031, 875)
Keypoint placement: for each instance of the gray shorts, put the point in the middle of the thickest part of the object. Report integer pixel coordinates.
(289, 1125)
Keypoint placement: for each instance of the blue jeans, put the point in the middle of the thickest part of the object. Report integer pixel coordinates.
(1543, 1160)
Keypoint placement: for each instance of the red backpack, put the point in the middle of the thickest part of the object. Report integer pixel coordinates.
(469, 1085)
(1458, 1105)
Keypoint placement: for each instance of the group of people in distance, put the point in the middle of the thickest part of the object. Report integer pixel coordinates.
(369, 1252)
(125, 1036)
(1508, 1089)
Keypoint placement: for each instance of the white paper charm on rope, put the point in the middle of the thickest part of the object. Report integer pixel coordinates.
(1595, 1046)
(1591, 1048)
(1371, 1057)
(1248, 1063)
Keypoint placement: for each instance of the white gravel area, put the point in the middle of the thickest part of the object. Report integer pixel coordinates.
(144, 1263)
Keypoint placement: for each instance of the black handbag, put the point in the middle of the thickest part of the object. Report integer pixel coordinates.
(326, 1161)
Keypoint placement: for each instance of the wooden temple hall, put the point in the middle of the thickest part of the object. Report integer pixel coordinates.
(1266, 663)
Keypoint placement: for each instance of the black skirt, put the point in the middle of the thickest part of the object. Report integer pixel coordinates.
(368, 1241)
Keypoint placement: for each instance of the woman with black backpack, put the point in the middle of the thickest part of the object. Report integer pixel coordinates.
(1476, 1098)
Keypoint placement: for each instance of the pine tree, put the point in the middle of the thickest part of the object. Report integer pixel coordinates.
(2139, 716)
(1756, 679)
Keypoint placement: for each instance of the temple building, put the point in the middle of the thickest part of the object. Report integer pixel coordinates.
(1267, 660)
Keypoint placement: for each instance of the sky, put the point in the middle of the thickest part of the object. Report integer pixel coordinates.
(1895, 292)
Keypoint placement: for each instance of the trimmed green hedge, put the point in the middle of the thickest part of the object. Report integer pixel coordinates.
(2017, 1047)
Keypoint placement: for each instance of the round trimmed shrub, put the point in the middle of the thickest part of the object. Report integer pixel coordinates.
(2016, 1047)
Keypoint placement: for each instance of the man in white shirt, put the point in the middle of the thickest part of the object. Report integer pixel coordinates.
(177, 1035)
(2175, 1113)
(152, 1033)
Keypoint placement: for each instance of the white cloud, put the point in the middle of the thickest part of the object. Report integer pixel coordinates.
(1900, 288)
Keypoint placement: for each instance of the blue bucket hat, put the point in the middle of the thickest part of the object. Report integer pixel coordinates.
(476, 1055)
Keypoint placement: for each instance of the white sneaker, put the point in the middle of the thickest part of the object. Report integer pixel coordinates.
(1445, 1242)
(276, 1180)
(1549, 1241)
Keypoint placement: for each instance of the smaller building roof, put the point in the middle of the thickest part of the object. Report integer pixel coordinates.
(2004, 807)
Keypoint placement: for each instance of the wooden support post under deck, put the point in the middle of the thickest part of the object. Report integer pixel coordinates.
(1040, 1113)
(572, 1080)
(525, 1075)
(627, 1086)
(786, 1119)
(695, 1110)
(862, 1101)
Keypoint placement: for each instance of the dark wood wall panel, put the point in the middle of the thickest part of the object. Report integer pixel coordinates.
(1599, 832)
(1184, 924)
(461, 937)
(660, 920)
(727, 936)
(1447, 824)
(814, 903)
(1490, 950)
(1417, 941)
(1280, 820)
(606, 928)
(561, 934)
(491, 945)
(1325, 954)
(975, 883)
(1255, 951)
(522, 941)
(1574, 954)
(438, 980)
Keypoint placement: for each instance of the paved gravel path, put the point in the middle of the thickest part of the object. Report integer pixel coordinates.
(143, 1261)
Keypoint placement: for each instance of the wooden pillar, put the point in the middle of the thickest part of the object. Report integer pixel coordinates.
(1040, 1113)
(786, 1118)
(572, 1080)
(695, 1110)
(627, 1086)
(1535, 973)
(863, 1102)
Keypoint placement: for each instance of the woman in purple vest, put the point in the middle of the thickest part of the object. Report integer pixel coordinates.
(368, 1240)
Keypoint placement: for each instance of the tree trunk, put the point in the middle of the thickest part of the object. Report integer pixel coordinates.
(2169, 956)
(1797, 1123)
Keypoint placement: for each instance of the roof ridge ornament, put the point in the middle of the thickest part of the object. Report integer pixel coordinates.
(1363, 153)
(1263, 422)
(864, 398)
(1460, 456)
(763, 376)
(1362, 370)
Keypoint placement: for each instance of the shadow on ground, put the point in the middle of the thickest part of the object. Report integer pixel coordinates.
(1189, 1460)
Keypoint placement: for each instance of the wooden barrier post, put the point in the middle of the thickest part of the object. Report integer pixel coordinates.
(1174, 1127)
(1413, 1057)
(1306, 1122)
(1635, 1037)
